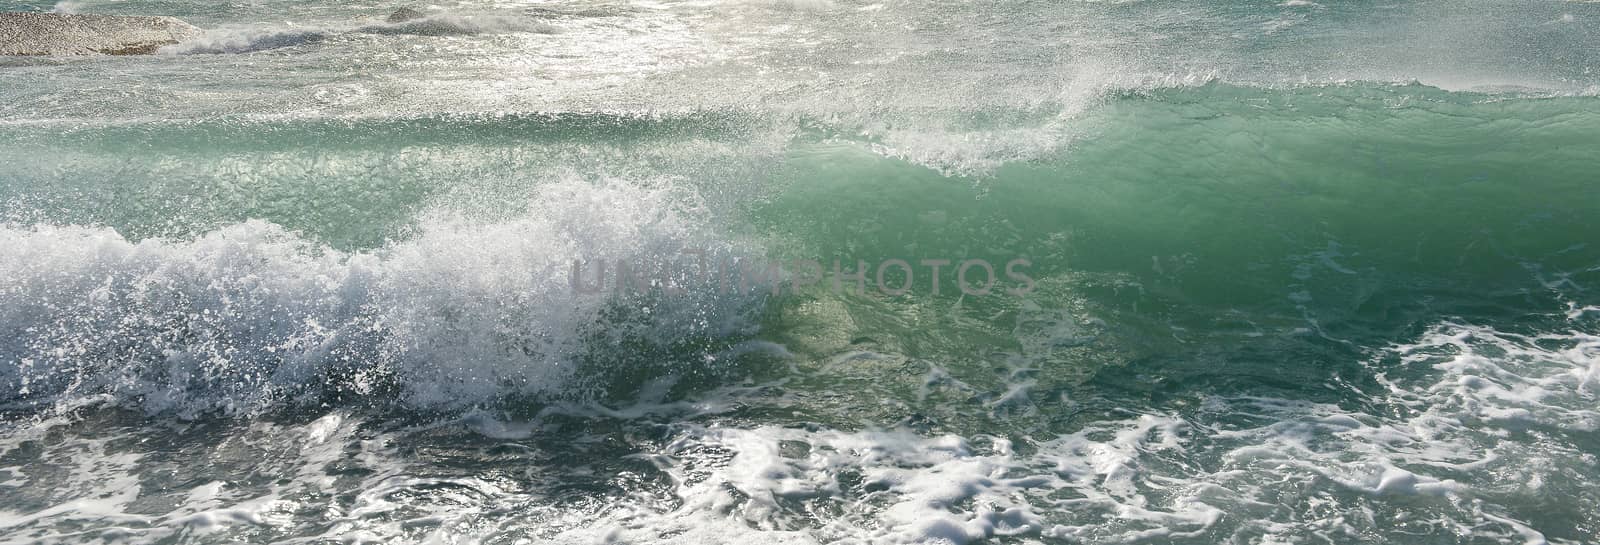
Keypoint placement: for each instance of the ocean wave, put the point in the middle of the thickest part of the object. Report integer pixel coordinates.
(247, 40)
(251, 316)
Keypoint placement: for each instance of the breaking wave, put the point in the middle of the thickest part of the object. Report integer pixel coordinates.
(250, 316)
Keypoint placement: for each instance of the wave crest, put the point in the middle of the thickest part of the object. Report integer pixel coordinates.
(252, 316)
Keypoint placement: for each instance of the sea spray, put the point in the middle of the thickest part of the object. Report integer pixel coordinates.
(251, 316)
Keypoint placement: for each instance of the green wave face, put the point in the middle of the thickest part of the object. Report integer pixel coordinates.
(1234, 237)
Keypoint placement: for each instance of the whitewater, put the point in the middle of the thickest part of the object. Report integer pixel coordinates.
(1296, 272)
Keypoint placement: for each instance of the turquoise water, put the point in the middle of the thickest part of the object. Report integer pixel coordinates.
(1297, 273)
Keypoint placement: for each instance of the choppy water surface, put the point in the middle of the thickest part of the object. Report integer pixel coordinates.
(1301, 272)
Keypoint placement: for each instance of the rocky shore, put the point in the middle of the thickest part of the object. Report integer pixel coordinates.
(33, 34)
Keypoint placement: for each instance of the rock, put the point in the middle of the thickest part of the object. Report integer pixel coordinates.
(404, 14)
(75, 34)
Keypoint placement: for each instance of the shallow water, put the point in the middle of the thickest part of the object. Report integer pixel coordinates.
(1296, 273)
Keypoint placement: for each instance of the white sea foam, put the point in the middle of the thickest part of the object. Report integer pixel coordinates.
(1426, 453)
(247, 39)
(1241, 468)
(67, 6)
(252, 315)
